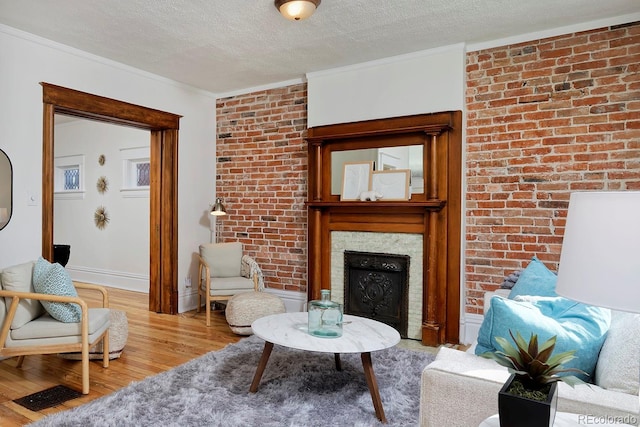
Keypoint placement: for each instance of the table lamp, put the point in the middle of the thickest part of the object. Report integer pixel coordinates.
(600, 258)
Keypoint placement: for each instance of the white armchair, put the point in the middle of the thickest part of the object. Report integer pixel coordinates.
(224, 271)
(27, 329)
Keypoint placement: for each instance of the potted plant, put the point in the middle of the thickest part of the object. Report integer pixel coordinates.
(528, 398)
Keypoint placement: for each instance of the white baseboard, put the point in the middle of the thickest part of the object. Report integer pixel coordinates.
(469, 328)
(293, 301)
(115, 279)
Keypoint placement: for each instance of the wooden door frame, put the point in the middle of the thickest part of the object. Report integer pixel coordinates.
(163, 190)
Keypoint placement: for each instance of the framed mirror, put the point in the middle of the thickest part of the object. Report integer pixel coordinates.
(6, 189)
(384, 159)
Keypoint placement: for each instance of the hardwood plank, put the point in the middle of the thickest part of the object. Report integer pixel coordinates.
(156, 343)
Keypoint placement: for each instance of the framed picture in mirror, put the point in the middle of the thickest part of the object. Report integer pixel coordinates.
(392, 184)
(356, 178)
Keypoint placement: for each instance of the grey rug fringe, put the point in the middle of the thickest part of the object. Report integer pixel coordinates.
(297, 389)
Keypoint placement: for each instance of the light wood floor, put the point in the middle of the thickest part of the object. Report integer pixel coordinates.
(156, 343)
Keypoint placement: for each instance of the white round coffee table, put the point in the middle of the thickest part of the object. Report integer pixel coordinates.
(359, 335)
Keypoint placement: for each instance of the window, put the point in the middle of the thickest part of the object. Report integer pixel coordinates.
(136, 170)
(142, 176)
(72, 178)
(69, 177)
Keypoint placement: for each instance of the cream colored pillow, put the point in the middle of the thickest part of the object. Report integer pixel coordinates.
(18, 278)
(619, 361)
(224, 259)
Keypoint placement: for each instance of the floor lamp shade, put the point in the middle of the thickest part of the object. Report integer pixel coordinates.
(600, 258)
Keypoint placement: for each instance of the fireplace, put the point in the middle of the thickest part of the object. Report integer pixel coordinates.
(376, 286)
(427, 227)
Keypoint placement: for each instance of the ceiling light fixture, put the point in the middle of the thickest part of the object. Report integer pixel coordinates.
(297, 10)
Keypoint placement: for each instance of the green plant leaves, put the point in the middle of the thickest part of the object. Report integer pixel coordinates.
(535, 364)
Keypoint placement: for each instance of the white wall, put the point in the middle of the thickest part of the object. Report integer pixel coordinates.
(118, 254)
(28, 60)
(424, 82)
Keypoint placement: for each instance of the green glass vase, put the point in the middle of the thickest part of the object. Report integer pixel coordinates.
(325, 316)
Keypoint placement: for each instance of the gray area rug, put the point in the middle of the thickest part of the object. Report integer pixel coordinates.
(297, 389)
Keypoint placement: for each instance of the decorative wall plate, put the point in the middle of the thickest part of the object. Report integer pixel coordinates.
(101, 159)
(102, 185)
(101, 217)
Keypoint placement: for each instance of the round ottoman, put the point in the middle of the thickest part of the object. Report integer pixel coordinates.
(118, 334)
(243, 309)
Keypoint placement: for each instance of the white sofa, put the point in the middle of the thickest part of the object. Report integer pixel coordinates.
(460, 389)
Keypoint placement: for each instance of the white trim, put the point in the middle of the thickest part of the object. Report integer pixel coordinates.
(104, 61)
(130, 158)
(469, 327)
(267, 86)
(188, 299)
(558, 31)
(62, 163)
(293, 301)
(135, 193)
(69, 195)
(112, 278)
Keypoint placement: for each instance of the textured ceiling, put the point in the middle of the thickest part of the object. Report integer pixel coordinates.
(229, 45)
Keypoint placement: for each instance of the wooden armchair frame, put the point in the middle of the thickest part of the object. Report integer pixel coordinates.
(82, 347)
(204, 275)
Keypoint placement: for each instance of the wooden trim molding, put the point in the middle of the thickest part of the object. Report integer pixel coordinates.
(163, 236)
(435, 213)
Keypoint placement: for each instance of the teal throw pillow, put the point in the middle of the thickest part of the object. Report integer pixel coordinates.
(536, 279)
(577, 326)
(53, 279)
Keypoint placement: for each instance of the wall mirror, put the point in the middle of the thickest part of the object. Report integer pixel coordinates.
(6, 189)
(385, 158)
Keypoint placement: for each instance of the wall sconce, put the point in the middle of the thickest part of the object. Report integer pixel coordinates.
(297, 10)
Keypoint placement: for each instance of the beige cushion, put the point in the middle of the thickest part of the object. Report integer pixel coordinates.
(619, 360)
(243, 309)
(118, 334)
(46, 326)
(18, 278)
(224, 259)
(230, 285)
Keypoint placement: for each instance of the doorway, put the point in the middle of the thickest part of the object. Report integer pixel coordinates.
(163, 224)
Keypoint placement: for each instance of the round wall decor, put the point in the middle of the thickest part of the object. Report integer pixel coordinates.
(101, 159)
(102, 185)
(101, 217)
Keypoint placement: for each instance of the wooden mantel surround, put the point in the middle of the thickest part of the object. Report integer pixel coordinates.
(435, 213)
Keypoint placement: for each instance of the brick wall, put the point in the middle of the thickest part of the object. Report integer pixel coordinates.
(261, 161)
(544, 118)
